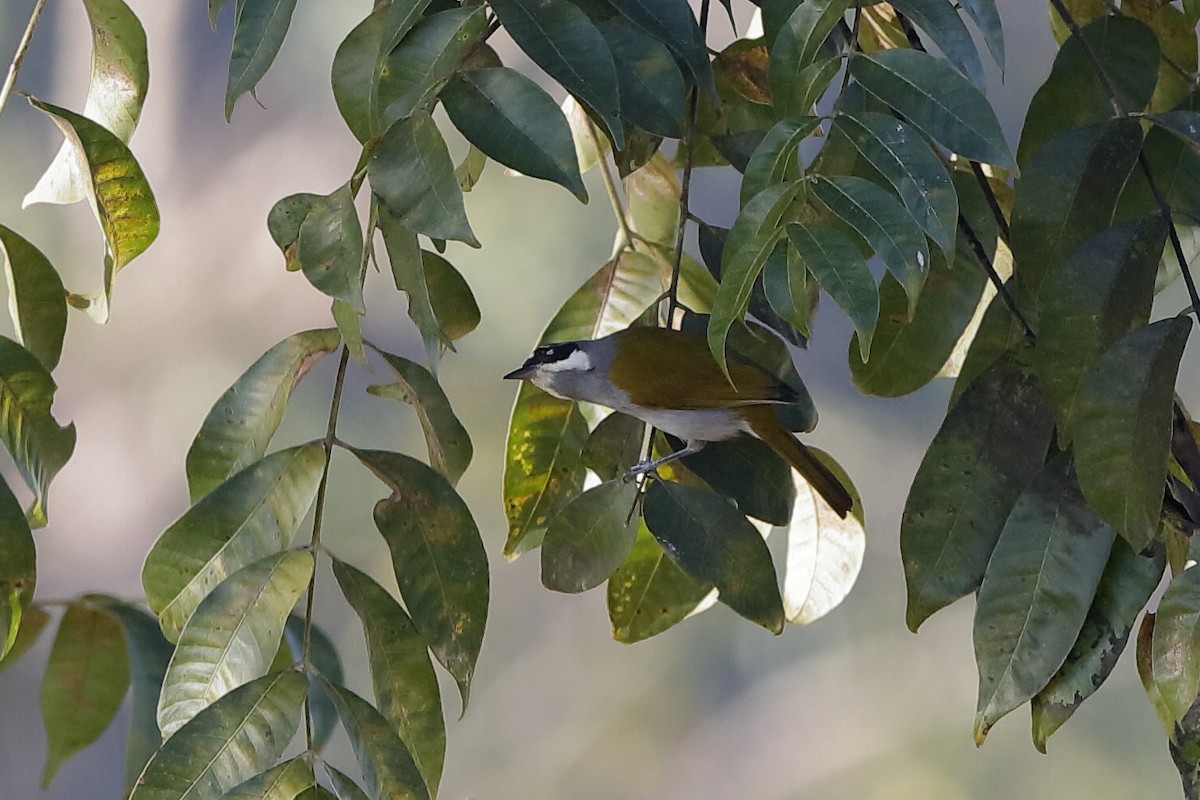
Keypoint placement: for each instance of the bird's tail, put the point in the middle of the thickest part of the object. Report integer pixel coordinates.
(766, 425)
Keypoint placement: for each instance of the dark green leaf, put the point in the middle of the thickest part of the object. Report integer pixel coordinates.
(285, 781)
(985, 16)
(149, 654)
(37, 443)
(18, 571)
(514, 121)
(843, 272)
(86, 679)
(1183, 123)
(239, 426)
(905, 159)
(884, 223)
(259, 27)
(449, 445)
(408, 271)
(613, 446)
(1067, 194)
(441, 566)
(748, 472)
(37, 300)
(357, 66)
(413, 175)
(672, 23)
(252, 515)
(1123, 427)
(715, 544)
(1073, 96)
(1126, 585)
(454, 306)
(649, 593)
(387, 766)
(423, 60)
(1102, 291)
(1037, 591)
(795, 50)
(116, 91)
(791, 291)
(991, 444)
(936, 99)
(774, 160)
(402, 675)
(589, 537)
(649, 81)
(346, 788)
(329, 247)
(999, 332)
(323, 658)
(941, 22)
(284, 221)
(233, 635)
(750, 242)
(567, 45)
(121, 197)
(231, 741)
(33, 621)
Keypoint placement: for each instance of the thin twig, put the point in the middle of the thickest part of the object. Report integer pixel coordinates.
(610, 187)
(1109, 88)
(986, 262)
(318, 516)
(22, 47)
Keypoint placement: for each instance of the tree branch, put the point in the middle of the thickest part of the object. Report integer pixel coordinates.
(22, 48)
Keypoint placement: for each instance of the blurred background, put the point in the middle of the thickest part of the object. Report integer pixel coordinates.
(854, 706)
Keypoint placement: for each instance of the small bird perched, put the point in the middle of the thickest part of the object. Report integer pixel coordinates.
(669, 379)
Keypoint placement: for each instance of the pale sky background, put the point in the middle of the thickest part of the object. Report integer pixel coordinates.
(853, 707)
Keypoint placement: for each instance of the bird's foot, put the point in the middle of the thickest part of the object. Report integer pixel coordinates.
(641, 468)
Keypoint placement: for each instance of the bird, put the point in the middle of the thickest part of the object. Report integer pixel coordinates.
(670, 380)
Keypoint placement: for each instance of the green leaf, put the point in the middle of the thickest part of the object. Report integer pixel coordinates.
(613, 446)
(906, 354)
(346, 788)
(1123, 427)
(561, 40)
(824, 551)
(117, 189)
(116, 91)
(402, 675)
(86, 679)
(987, 19)
(323, 661)
(791, 291)
(936, 99)
(329, 247)
(649, 592)
(233, 635)
(751, 239)
(652, 201)
(886, 225)
(1100, 292)
(1183, 123)
(1067, 194)
(672, 23)
(441, 566)
(408, 263)
(349, 326)
(284, 221)
(649, 82)
(227, 743)
(429, 54)
(284, 781)
(715, 544)
(1176, 643)
(259, 27)
(357, 66)
(542, 467)
(945, 28)
(32, 622)
(239, 426)
(413, 175)
(774, 160)
(18, 572)
(253, 514)
(36, 298)
(1073, 96)
(387, 766)
(749, 473)
(1037, 591)
(149, 654)
(37, 443)
(589, 537)
(449, 445)
(990, 446)
(454, 305)
(906, 161)
(842, 271)
(999, 332)
(514, 121)
(795, 49)
(1125, 586)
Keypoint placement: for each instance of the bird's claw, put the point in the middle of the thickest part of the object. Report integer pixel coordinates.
(641, 468)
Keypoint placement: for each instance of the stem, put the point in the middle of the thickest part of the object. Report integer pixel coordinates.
(993, 276)
(335, 404)
(22, 47)
(1073, 26)
(610, 187)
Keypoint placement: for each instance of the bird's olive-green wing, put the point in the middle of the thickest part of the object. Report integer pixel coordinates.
(676, 370)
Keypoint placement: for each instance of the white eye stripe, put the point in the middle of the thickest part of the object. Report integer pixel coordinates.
(578, 361)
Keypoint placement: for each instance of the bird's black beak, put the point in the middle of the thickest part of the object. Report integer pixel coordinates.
(522, 373)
